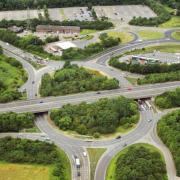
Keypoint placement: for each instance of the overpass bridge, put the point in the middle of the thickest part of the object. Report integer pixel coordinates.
(46, 104)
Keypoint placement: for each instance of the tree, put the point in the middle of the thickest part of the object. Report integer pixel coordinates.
(65, 122)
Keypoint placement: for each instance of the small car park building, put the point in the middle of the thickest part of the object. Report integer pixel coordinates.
(58, 29)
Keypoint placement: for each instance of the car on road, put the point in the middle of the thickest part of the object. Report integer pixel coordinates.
(98, 92)
(118, 137)
(84, 154)
(33, 82)
(149, 120)
(47, 139)
(41, 102)
(124, 145)
(78, 173)
(129, 88)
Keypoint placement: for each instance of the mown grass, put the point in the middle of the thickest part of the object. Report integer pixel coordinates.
(87, 31)
(176, 35)
(94, 156)
(146, 35)
(173, 22)
(110, 174)
(124, 36)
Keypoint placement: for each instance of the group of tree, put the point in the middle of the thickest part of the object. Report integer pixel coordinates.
(140, 162)
(169, 131)
(159, 78)
(12, 122)
(155, 73)
(144, 69)
(73, 79)
(33, 152)
(9, 91)
(103, 116)
(30, 43)
(94, 48)
(96, 25)
(169, 99)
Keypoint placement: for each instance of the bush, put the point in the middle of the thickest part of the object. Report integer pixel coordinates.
(96, 135)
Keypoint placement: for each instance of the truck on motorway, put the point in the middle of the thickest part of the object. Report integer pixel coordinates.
(77, 162)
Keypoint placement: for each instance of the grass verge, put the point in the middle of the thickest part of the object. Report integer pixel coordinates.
(94, 156)
(124, 36)
(132, 80)
(145, 35)
(173, 22)
(176, 35)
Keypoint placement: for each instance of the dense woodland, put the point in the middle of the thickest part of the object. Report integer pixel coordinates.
(94, 48)
(12, 122)
(74, 79)
(9, 85)
(140, 162)
(163, 14)
(168, 99)
(169, 131)
(33, 152)
(23, 4)
(103, 116)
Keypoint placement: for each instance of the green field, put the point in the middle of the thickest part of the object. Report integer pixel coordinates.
(14, 171)
(176, 35)
(124, 36)
(9, 171)
(94, 156)
(145, 35)
(173, 22)
(110, 174)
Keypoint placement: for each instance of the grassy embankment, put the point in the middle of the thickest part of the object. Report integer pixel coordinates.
(147, 35)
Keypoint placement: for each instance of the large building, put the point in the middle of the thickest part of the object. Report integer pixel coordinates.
(58, 29)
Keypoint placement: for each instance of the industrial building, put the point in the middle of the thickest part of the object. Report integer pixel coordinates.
(58, 29)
